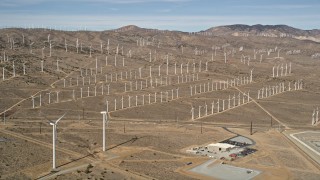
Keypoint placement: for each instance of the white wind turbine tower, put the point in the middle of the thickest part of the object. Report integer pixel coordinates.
(192, 112)
(13, 70)
(117, 51)
(104, 120)
(313, 118)
(108, 46)
(273, 71)
(31, 47)
(42, 52)
(3, 73)
(279, 53)
(101, 47)
(90, 50)
(50, 46)
(24, 68)
(317, 115)
(77, 45)
(54, 138)
(251, 75)
(150, 57)
(58, 64)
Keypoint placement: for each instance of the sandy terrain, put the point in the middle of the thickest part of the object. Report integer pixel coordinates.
(148, 140)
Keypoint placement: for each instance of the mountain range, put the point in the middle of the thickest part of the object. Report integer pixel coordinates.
(280, 31)
(266, 31)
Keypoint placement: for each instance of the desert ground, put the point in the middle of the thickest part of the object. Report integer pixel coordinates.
(152, 83)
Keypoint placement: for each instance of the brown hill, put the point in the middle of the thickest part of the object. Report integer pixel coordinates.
(266, 31)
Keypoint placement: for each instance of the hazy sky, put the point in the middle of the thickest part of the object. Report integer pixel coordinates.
(184, 15)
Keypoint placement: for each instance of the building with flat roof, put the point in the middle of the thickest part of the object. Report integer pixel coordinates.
(220, 147)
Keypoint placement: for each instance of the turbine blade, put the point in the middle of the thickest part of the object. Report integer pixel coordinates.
(60, 118)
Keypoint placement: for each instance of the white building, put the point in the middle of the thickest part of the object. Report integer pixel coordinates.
(220, 147)
(191, 151)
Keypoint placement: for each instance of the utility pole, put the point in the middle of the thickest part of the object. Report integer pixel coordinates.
(251, 128)
(40, 127)
(4, 116)
(83, 113)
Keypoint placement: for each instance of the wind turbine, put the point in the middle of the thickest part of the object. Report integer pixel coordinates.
(104, 120)
(251, 75)
(30, 45)
(54, 138)
(192, 112)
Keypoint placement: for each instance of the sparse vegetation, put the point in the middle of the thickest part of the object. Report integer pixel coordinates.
(157, 134)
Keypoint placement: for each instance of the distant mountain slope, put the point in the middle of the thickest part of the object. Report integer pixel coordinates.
(266, 31)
